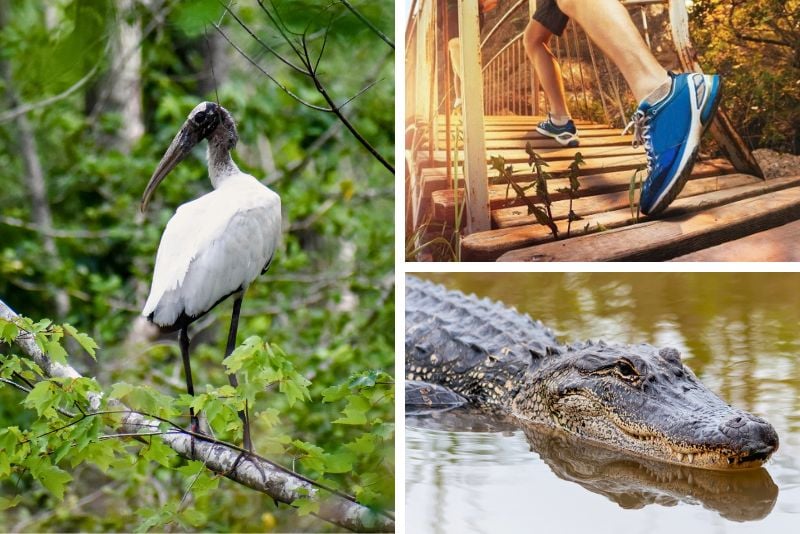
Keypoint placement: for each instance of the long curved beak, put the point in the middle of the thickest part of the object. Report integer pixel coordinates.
(181, 146)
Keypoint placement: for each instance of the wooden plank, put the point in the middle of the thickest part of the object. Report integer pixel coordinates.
(539, 141)
(435, 178)
(589, 205)
(776, 244)
(494, 120)
(550, 154)
(444, 200)
(530, 128)
(546, 142)
(692, 228)
(486, 246)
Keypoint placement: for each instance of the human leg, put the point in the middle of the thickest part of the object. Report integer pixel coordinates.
(547, 67)
(559, 125)
(454, 46)
(608, 24)
(674, 110)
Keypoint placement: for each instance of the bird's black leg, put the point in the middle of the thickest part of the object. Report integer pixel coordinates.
(187, 369)
(243, 415)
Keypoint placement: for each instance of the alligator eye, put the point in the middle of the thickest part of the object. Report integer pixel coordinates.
(626, 370)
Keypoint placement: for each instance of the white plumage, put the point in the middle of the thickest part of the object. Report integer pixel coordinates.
(212, 247)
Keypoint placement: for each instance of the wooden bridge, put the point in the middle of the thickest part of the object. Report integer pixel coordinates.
(458, 208)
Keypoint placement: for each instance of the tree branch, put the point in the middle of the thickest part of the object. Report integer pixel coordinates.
(250, 470)
(53, 232)
(25, 108)
(369, 24)
(302, 53)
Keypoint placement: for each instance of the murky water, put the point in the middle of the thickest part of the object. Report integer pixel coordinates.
(739, 332)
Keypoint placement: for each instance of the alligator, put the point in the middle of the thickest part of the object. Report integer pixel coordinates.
(637, 398)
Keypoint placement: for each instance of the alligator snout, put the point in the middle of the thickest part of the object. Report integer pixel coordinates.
(752, 435)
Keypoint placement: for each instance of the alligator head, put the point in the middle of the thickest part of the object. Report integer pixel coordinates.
(645, 401)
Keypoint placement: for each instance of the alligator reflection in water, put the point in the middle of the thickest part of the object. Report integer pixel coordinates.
(629, 481)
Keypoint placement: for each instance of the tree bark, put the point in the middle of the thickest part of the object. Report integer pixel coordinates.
(123, 84)
(251, 470)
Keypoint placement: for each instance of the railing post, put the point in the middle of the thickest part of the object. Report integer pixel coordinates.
(423, 63)
(721, 127)
(534, 77)
(475, 171)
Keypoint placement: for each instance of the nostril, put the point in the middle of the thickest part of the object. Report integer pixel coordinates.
(735, 422)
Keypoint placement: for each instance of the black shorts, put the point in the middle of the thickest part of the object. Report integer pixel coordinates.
(548, 15)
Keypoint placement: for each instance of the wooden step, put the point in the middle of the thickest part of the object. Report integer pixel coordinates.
(550, 154)
(494, 120)
(530, 133)
(691, 224)
(492, 244)
(541, 142)
(435, 178)
(518, 216)
(500, 196)
(776, 244)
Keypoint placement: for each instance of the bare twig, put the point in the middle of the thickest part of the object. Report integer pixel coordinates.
(272, 78)
(53, 232)
(302, 52)
(25, 108)
(266, 47)
(369, 24)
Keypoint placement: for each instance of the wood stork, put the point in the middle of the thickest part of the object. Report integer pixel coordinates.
(214, 246)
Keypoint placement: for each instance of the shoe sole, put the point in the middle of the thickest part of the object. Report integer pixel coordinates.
(675, 186)
(571, 142)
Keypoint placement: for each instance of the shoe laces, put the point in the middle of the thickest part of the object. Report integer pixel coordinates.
(641, 135)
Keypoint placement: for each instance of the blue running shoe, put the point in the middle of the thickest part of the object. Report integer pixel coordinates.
(670, 131)
(565, 135)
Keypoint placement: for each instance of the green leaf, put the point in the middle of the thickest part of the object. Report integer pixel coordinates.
(120, 390)
(6, 503)
(363, 445)
(55, 351)
(355, 412)
(293, 391)
(83, 340)
(339, 463)
(8, 331)
(52, 478)
(157, 451)
(40, 398)
(366, 380)
(306, 506)
(335, 393)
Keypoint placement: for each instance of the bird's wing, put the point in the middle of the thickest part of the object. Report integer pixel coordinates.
(212, 247)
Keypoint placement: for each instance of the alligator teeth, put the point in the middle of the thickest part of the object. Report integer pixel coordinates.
(680, 456)
(691, 457)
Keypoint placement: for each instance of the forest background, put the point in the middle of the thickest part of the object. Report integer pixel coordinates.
(91, 94)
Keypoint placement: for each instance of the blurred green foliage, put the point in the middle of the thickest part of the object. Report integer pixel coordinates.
(327, 301)
(755, 46)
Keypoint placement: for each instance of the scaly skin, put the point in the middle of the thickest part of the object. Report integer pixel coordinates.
(636, 398)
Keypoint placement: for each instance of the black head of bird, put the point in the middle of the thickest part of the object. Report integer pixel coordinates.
(207, 120)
